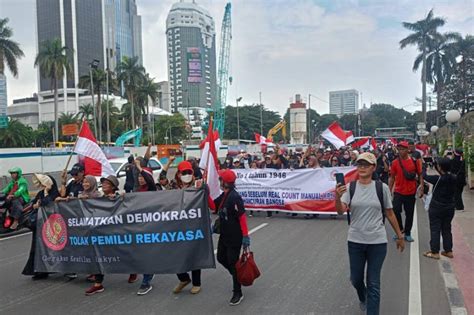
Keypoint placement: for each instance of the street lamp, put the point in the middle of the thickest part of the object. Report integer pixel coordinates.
(452, 117)
(434, 129)
(93, 65)
(238, 119)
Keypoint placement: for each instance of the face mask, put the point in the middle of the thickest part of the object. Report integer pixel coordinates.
(346, 156)
(186, 178)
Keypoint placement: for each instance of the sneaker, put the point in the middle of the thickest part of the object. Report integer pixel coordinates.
(14, 225)
(448, 254)
(132, 278)
(71, 276)
(7, 222)
(195, 290)
(395, 238)
(236, 298)
(363, 306)
(144, 289)
(408, 238)
(90, 278)
(95, 289)
(181, 286)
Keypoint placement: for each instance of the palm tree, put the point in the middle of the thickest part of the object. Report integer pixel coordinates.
(424, 32)
(131, 73)
(16, 135)
(99, 78)
(54, 64)
(10, 51)
(440, 61)
(148, 89)
(85, 111)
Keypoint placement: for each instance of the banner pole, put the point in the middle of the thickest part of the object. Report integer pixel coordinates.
(211, 125)
(74, 147)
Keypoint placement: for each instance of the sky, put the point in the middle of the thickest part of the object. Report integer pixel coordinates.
(282, 48)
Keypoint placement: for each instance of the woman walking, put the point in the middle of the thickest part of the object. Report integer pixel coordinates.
(441, 209)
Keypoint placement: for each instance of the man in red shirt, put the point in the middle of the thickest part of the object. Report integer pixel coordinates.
(403, 175)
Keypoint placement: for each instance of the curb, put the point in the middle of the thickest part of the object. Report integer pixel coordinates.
(454, 293)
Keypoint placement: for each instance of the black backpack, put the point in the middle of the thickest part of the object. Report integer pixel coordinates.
(378, 189)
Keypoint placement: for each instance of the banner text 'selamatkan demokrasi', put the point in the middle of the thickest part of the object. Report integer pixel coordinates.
(162, 232)
(296, 191)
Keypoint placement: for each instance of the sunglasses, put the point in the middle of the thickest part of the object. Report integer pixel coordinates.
(187, 172)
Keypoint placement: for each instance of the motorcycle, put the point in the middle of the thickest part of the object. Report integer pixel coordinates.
(23, 222)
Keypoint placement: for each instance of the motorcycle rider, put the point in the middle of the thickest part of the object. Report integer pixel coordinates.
(17, 197)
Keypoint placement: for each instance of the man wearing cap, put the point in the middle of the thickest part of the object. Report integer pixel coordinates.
(368, 203)
(403, 183)
(75, 186)
(233, 230)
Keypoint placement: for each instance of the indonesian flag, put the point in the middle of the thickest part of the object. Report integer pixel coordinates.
(335, 135)
(365, 143)
(349, 137)
(95, 162)
(204, 146)
(261, 139)
(211, 173)
(393, 141)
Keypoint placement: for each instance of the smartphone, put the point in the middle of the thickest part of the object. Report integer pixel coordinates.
(340, 178)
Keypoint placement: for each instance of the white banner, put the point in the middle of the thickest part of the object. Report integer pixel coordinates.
(296, 191)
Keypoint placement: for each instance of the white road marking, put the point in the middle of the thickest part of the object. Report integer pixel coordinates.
(414, 297)
(14, 236)
(255, 229)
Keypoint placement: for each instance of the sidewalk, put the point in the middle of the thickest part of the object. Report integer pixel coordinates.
(463, 239)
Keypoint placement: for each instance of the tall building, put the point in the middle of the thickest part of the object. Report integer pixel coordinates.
(3, 101)
(191, 44)
(94, 30)
(344, 102)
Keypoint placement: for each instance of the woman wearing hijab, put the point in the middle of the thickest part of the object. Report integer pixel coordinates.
(90, 188)
(47, 194)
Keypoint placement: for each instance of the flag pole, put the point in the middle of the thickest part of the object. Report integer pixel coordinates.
(74, 147)
(211, 127)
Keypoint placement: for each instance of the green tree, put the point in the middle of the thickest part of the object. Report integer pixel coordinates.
(53, 64)
(131, 73)
(10, 50)
(86, 111)
(173, 127)
(16, 135)
(424, 31)
(44, 134)
(116, 126)
(349, 122)
(147, 90)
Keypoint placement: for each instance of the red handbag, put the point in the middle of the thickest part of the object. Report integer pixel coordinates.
(247, 270)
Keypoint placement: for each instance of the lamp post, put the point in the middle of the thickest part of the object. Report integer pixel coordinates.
(238, 118)
(452, 117)
(93, 65)
(434, 129)
(309, 119)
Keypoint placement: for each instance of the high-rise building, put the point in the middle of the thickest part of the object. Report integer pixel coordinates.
(3, 101)
(93, 30)
(344, 102)
(191, 44)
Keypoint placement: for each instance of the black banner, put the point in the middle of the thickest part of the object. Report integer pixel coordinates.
(161, 232)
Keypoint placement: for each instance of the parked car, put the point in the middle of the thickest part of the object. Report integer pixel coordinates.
(119, 167)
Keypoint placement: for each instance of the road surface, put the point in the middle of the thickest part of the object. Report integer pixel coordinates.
(304, 266)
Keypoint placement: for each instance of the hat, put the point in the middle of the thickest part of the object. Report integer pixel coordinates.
(368, 157)
(185, 165)
(403, 144)
(459, 151)
(163, 176)
(111, 179)
(228, 176)
(78, 167)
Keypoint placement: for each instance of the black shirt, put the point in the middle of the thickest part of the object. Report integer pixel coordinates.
(229, 215)
(443, 194)
(74, 188)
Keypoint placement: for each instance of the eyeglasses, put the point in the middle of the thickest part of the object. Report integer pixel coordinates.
(187, 172)
(363, 165)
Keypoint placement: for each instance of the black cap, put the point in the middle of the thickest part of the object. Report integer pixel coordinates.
(163, 176)
(78, 167)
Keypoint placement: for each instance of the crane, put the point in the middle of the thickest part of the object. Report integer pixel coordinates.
(223, 72)
(280, 125)
(135, 134)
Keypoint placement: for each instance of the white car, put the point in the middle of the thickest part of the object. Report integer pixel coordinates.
(119, 165)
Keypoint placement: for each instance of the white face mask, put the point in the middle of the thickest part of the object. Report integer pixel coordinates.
(186, 178)
(346, 156)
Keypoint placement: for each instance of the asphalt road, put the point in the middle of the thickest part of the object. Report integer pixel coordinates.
(304, 266)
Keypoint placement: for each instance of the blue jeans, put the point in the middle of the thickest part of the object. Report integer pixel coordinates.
(373, 255)
(147, 279)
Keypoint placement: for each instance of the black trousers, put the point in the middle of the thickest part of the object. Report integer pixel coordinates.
(228, 256)
(407, 203)
(29, 269)
(195, 275)
(16, 207)
(440, 225)
(458, 204)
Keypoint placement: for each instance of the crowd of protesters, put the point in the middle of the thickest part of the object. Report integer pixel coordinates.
(400, 167)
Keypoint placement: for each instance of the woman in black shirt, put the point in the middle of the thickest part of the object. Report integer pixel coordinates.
(441, 209)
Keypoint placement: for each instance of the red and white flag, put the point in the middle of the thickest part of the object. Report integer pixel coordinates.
(95, 162)
(335, 135)
(204, 146)
(261, 139)
(349, 137)
(365, 143)
(210, 165)
(393, 141)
